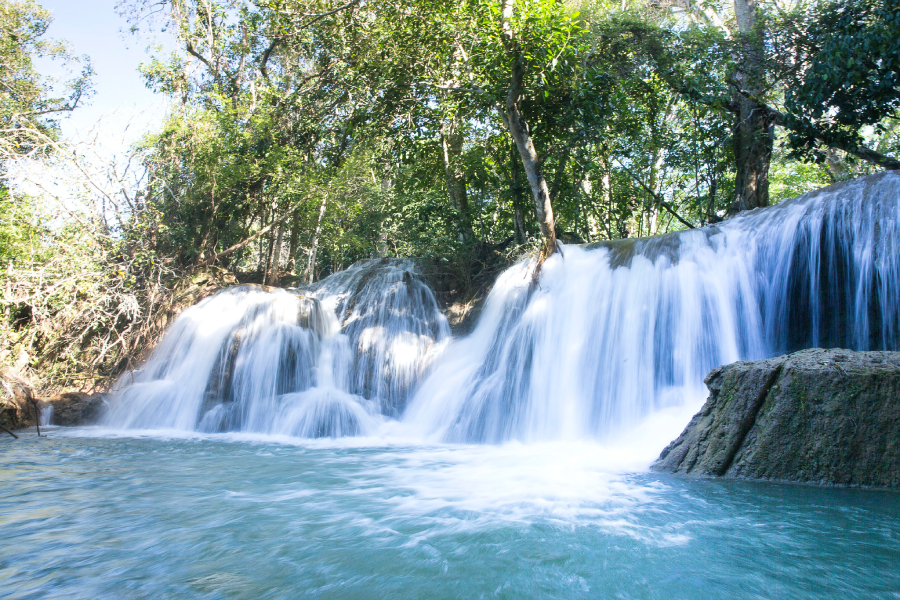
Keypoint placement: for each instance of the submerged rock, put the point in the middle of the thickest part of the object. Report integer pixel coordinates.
(817, 416)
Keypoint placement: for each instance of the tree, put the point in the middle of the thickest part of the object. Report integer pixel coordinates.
(851, 79)
(263, 117)
(29, 102)
(754, 129)
(830, 64)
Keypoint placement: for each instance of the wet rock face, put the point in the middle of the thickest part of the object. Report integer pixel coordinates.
(72, 409)
(817, 416)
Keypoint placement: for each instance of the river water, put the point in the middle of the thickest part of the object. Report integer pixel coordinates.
(91, 513)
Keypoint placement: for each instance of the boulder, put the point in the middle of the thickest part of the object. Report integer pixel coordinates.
(72, 409)
(816, 416)
(18, 408)
(19, 405)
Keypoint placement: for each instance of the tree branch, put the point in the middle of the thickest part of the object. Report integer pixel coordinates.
(241, 244)
(318, 17)
(866, 154)
(656, 196)
(190, 48)
(265, 59)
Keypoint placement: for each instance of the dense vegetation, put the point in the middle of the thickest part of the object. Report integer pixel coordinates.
(304, 135)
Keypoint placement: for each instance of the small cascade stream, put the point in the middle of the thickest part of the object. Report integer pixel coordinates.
(612, 334)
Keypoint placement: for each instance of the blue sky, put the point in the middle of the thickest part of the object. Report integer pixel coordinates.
(94, 28)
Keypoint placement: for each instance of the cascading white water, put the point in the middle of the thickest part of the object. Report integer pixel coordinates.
(392, 324)
(331, 360)
(616, 331)
(611, 334)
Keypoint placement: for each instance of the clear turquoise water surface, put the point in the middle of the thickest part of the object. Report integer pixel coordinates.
(89, 514)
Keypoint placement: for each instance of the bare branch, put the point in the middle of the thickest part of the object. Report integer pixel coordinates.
(318, 17)
(662, 202)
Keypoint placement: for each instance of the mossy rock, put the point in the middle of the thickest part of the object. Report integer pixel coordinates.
(817, 416)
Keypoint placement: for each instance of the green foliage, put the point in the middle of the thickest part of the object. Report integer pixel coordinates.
(852, 78)
(791, 178)
(77, 304)
(20, 229)
(290, 102)
(29, 101)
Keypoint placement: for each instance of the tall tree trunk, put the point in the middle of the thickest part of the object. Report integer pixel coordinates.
(711, 203)
(656, 162)
(608, 192)
(272, 276)
(381, 246)
(518, 129)
(452, 144)
(273, 213)
(270, 250)
(518, 209)
(294, 241)
(210, 224)
(754, 130)
(754, 138)
(592, 220)
(263, 264)
(653, 184)
(561, 169)
(313, 247)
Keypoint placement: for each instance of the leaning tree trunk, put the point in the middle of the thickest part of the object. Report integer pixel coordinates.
(518, 129)
(518, 208)
(754, 131)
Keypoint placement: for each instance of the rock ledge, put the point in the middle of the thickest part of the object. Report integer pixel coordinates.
(817, 416)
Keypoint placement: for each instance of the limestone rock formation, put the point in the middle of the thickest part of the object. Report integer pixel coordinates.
(817, 416)
(20, 408)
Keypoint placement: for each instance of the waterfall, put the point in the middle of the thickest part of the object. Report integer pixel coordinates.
(610, 334)
(330, 360)
(392, 324)
(615, 331)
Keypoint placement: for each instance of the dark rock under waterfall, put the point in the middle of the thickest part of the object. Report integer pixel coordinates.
(816, 416)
